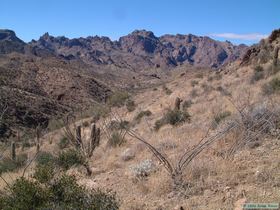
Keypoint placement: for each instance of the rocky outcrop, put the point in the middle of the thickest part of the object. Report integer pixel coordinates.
(10, 43)
(264, 51)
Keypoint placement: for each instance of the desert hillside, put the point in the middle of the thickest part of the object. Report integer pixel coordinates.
(197, 138)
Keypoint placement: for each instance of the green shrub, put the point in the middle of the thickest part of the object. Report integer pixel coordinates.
(273, 86)
(25, 195)
(62, 193)
(67, 159)
(130, 105)
(116, 139)
(68, 194)
(172, 117)
(258, 74)
(45, 158)
(8, 165)
(63, 143)
(141, 114)
(167, 90)
(44, 173)
(218, 118)
(118, 99)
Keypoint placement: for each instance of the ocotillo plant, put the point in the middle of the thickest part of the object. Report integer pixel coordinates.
(38, 138)
(275, 56)
(13, 151)
(178, 103)
(84, 146)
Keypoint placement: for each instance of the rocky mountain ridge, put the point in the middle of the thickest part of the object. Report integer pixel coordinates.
(141, 49)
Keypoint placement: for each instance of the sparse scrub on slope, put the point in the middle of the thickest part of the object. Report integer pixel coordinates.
(173, 117)
(272, 87)
(141, 114)
(118, 99)
(258, 74)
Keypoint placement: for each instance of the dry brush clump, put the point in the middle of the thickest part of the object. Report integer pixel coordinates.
(255, 122)
(272, 87)
(258, 74)
(114, 130)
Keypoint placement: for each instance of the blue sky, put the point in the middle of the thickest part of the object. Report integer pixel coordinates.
(239, 21)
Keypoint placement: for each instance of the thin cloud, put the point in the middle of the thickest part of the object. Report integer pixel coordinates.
(247, 37)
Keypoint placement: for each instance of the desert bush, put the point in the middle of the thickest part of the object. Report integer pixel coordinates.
(223, 91)
(194, 93)
(218, 76)
(8, 165)
(118, 99)
(85, 124)
(118, 125)
(67, 159)
(166, 90)
(130, 105)
(44, 173)
(63, 143)
(272, 69)
(45, 158)
(143, 169)
(98, 112)
(116, 139)
(199, 75)
(172, 117)
(68, 194)
(210, 78)
(206, 88)
(141, 114)
(62, 193)
(187, 104)
(194, 83)
(258, 74)
(273, 86)
(25, 195)
(218, 118)
(55, 124)
(255, 121)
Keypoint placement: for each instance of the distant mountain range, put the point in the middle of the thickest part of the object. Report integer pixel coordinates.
(138, 50)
